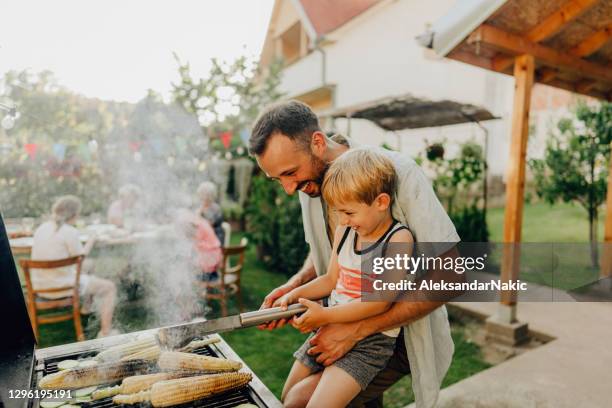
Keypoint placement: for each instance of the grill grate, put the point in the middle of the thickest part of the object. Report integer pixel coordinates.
(225, 400)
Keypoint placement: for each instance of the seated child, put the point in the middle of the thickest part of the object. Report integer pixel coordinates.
(359, 186)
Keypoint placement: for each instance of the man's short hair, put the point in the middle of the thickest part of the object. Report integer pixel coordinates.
(293, 119)
(359, 175)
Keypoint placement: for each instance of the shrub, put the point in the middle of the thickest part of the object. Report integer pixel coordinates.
(274, 224)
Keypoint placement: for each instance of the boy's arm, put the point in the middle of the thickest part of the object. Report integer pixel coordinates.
(356, 311)
(319, 287)
(379, 301)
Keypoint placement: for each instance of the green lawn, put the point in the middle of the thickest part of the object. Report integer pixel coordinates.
(561, 236)
(545, 223)
(269, 354)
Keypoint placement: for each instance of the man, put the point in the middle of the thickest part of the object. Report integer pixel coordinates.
(290, 148)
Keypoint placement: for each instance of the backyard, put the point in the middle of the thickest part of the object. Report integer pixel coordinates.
(543, 223)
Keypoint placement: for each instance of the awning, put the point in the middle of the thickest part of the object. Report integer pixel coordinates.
(569, 39)
(410, 112)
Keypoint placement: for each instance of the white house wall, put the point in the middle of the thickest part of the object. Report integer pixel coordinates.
(376, 55)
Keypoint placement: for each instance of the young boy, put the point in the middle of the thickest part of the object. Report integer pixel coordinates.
(359, 186)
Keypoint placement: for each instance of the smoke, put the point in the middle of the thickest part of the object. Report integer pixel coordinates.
(165, 152)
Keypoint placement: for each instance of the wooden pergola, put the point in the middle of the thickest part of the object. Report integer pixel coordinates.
(561, 43)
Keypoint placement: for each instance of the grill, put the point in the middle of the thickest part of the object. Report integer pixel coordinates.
(255, 392)
(22, 366)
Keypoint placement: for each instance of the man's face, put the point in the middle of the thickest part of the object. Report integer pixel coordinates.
(293, 166)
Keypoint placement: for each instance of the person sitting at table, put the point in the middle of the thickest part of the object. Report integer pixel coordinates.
(125, 206)
(209, 209)
(59, 239)
(206, 248)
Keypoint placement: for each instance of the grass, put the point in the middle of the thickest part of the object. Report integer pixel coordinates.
(560, 256)
(270, 354)
(545, 223)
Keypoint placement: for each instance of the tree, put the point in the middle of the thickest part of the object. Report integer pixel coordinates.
(575, 163)
(456, 181)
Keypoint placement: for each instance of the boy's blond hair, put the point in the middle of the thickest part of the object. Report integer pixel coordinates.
(359, 175)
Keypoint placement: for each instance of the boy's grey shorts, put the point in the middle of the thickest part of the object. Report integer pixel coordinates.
(363, 362)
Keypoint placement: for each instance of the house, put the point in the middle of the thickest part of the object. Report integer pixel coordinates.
(339, 53)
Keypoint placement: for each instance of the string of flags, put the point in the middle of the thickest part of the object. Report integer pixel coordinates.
(158, 146)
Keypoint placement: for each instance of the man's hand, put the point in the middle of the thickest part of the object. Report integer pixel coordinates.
(333, 341)
(313, 318)
(269, 302)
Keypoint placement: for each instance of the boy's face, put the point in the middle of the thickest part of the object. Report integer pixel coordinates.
(364, 218)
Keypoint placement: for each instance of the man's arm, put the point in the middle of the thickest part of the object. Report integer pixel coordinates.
(304, 275)
(335, 340)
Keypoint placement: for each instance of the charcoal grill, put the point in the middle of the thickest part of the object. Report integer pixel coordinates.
(22, 365)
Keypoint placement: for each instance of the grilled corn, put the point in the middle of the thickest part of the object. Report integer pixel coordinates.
(80, 377)
(176, 360)
(119, 351)
(172, 392)
(150, 354)
(196, 344)
(136, 383)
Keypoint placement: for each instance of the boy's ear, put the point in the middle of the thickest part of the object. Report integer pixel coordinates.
(383, 201)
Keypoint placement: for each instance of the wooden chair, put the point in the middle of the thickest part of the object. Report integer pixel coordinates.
(228, 283)
(36, 303)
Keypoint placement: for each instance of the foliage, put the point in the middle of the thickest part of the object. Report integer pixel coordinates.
(231, 210)
(458, 178)
(230, 97)
(274, 223)
(471, 224)
(48, 115)
(575, 163)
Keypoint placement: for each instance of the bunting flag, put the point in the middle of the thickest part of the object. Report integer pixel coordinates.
(59, 150)
(135, 146)
(226, 139)
(31, 149)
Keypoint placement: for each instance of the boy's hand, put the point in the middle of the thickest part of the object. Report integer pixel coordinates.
(315, 317)
(284, 301)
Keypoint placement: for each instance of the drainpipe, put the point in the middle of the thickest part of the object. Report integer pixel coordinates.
(317, 47)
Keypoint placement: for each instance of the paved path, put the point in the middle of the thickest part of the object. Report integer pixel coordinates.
(573, 370)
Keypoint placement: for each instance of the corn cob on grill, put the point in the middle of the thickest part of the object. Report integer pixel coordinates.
(103, 373)
(176, 360)
(136, 383)
(150, 354)
(172, 392)
(119, 351)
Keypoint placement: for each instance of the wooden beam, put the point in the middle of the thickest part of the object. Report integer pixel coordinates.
(547, 74)
(471, 59)
(588, 47)
(584, 87)
(606, 256)
(550, 26)
(515, 185)
(510, 43)
(593, 43)
(557, 83)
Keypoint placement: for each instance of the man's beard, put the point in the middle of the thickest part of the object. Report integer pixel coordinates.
(319, 168)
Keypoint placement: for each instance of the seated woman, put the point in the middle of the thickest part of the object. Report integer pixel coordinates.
(205, 244)
(125, 206)
(59, 239)
(209, 209)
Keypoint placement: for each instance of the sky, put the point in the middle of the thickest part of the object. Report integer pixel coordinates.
(117, 50)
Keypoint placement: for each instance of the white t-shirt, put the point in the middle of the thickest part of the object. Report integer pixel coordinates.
(50, 244)
(429, 345)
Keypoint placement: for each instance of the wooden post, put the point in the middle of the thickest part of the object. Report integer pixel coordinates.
(513, 217)
(606, 254)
